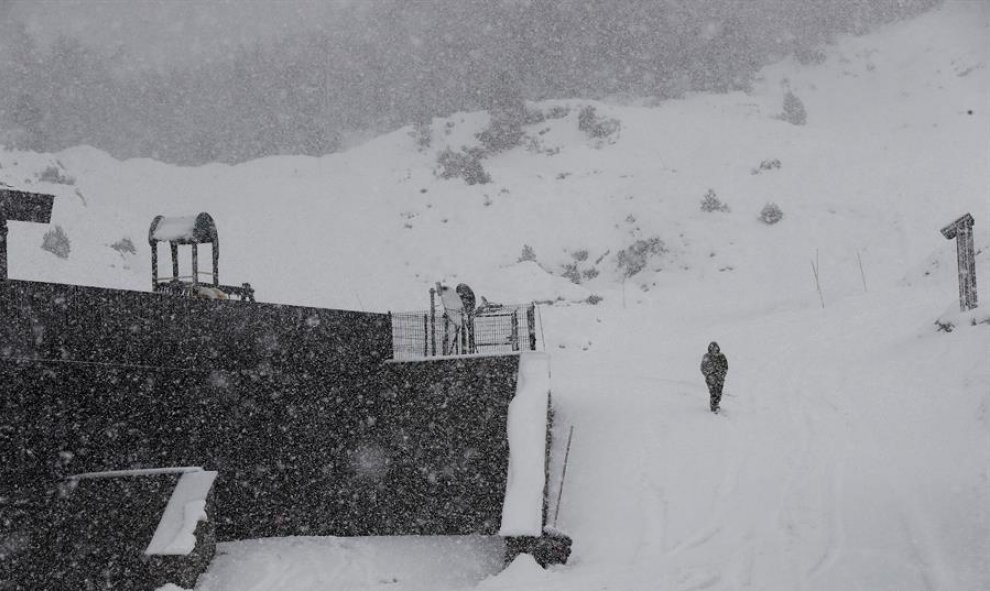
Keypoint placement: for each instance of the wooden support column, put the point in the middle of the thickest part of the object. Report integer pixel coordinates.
(154, 265)
(3, 246)
(195, 264)
(175, 260)
(216, 262)
(962, 231)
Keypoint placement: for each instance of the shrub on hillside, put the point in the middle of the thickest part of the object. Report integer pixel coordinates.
(507, 114)
(767, 165)
(711, 203)
(597, 127)
(571, 272)
(465, 165)
(527, 254)
(637, 255)
(794, 112)
(422, 134)
(809, 56)
(124, 246)
(55, 174)
(771, 214)
(56, 241)
(558, 112)
(500, 135)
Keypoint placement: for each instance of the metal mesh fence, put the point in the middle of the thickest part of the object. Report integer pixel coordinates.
(488, 330)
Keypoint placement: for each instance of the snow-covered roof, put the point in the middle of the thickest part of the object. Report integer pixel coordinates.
(183, 230)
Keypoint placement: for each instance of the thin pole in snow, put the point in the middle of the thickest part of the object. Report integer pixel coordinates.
(818, 284)
(543, 340)
(563, 474)
(861, 272)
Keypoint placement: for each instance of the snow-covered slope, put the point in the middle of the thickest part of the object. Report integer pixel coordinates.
(855, 445)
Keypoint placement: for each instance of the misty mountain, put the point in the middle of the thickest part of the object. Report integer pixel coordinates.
(363, 68)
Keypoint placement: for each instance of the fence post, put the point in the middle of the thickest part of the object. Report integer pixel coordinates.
(433, 321)
(446, 333)
(531, 322)
(472, 347)
(195, 264)
(514, 335)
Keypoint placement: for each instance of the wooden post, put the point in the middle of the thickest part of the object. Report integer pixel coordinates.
(531, 322)
(154, 265)
(469, 323)
(433, 321)
(514, 335)
(195, 264)
(216, 262)
(175, 260)
(962, 231)
(426, 331)
(3, 246)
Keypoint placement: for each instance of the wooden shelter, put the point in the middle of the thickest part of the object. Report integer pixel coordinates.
(190, 231)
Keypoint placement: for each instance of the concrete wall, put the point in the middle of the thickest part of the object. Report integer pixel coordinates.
(310, 431)
(92, 535)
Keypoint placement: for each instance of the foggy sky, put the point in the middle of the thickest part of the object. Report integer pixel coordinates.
(155, 33)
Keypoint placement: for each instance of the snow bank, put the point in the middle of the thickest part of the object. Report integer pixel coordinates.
(176, 532)
(522, 511)
(523, 572)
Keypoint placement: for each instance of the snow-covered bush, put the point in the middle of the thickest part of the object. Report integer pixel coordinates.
(597, 127)
(501, 135)
(56, 241)
(124, 246)
(465, 165)
(637, 255)
(571, 272)
(771, 213)
(507, 112)
(794, 112)
(767, 165)
(422, 134)
(55, 174)
(527, 254)
(711, 203)
(807, 55)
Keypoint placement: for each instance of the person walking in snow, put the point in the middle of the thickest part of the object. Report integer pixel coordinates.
(714, 366)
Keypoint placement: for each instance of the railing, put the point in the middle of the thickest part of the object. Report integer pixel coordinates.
(180, 286)
(486, 330)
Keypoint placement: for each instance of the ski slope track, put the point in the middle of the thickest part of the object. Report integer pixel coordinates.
(854, 447)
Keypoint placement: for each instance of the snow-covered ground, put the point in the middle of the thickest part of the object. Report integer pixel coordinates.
(854, 450)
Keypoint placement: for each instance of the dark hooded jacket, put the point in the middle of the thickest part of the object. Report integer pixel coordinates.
(714, 364)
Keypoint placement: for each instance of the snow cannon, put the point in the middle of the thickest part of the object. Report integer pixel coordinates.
(191, 231)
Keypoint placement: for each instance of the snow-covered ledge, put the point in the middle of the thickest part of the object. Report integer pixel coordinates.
(522, 510)
(176, 532)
